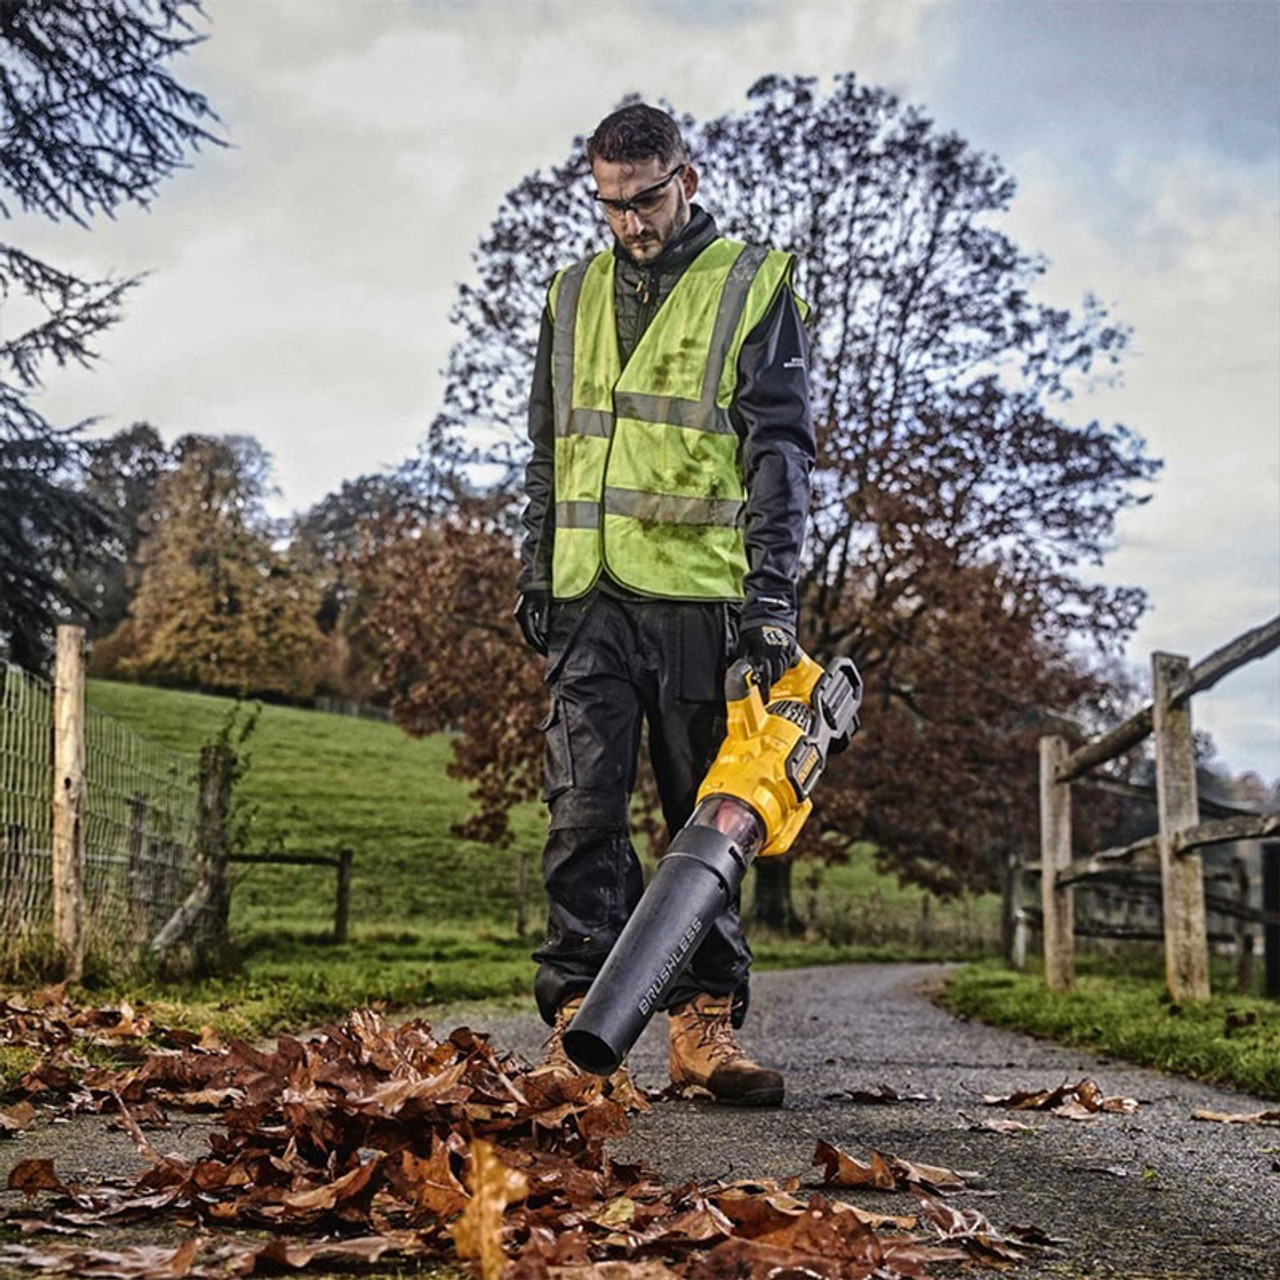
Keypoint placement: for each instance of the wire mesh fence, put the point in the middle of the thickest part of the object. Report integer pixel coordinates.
(139, 827)
(26, 809)
(140, 833)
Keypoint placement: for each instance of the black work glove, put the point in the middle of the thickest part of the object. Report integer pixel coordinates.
(770, 650)
(533, 613)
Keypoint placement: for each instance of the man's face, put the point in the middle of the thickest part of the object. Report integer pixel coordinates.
(662, 210)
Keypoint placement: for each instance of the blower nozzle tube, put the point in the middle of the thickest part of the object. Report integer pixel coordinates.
(697, 877)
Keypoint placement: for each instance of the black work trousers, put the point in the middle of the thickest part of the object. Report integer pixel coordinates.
(612, 664)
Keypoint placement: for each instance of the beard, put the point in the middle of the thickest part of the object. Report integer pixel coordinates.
(649, 243)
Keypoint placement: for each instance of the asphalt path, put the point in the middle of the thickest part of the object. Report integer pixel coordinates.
(1145, 1196)
(1155, 1194)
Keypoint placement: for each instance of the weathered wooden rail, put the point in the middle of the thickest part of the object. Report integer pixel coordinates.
(1175, 849)
(341, 863)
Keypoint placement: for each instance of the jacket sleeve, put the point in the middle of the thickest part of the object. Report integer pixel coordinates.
(771, 413)
(539, 515)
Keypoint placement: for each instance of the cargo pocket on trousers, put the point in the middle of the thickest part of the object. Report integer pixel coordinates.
(557, 761)
(702, 653)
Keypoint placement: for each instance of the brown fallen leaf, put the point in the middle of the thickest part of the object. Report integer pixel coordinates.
(204, 1099)
(932, 1177)
(197, 1256)
(16, 1118)
(302, 1253)
(997, 1126)
(756, 1212)
(877, 1221)
(1125, 1106)
(137, 1262)
(697, 1223)
(823, 1233)
(330, 1195)
(739, 1259)
(429, 1183)
(33, 1176)
(1079, 1101)
(886, 1173)
(46, 1077)
(1028, 1099)
(1073, 1110)
(1238, 1117)
(822, 1249)
(884, 1095)
(842, 1170)
(493, 1185)
(620, 1269)
(968, 1227)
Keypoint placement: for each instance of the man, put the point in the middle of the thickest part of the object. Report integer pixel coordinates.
(667, 496)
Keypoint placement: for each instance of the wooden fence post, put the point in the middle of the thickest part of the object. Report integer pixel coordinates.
(1271, 904)
(341, 911)
(1011, 909)
(68, 801)
(1244, 934)
(1057, 905)
(15, 867)
(1186, 945)
(217, 768)
(137, 877)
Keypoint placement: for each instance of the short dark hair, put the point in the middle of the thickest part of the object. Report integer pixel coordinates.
(636, 133)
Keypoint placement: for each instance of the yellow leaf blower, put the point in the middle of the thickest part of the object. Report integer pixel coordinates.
(752, 803)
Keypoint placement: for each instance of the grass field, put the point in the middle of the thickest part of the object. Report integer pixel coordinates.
(320, 783)
(433, 916)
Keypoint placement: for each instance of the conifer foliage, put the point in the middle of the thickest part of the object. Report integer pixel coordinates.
(91, 119)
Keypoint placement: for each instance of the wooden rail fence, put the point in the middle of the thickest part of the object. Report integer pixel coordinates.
(341, 864)
(1183, 831)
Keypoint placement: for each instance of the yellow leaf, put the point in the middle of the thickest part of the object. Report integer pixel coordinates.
(493, 1186)
(617, 1213)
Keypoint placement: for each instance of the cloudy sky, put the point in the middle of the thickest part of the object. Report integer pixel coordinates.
(301, 280)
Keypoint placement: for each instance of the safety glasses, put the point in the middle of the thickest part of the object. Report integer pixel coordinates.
(643, 202)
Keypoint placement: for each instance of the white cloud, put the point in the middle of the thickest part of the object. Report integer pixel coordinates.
(302, 279)
(1194, 266)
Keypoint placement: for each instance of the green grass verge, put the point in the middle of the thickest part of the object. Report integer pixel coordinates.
(1229, 1039)
(15, 1062)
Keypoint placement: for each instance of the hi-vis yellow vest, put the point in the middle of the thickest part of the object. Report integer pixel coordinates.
(647, 475)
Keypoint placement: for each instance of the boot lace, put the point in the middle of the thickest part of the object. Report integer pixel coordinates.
(715, 1034)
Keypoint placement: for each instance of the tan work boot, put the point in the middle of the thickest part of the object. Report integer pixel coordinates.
(617, 1086)
(554, 1056)
(704, 1052)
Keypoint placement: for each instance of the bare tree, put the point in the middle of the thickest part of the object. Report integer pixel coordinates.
(955, 500)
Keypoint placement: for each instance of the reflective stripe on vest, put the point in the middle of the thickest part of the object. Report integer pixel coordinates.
(647, 478)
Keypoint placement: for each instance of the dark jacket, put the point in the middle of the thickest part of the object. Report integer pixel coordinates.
(770, 412)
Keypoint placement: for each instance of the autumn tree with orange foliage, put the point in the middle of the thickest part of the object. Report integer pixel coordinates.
(216, 607)
(441, 612)
(956, 499)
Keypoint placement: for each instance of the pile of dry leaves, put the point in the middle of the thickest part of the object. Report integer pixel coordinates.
(371, 1141)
